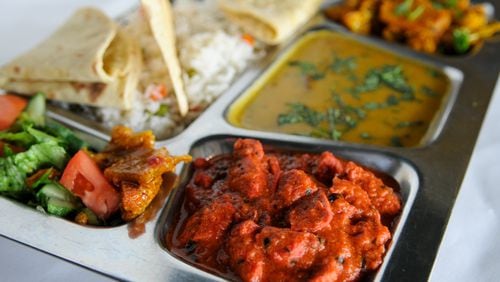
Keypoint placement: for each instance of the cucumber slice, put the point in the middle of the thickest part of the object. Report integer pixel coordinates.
(33, 114)
(36, 109)
(54, 190)
(57, 200)
(59, 207)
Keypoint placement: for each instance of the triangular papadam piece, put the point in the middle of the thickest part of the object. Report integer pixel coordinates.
(160, 17)
(271, 21)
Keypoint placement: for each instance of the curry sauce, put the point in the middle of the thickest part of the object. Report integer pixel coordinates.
(333, 87)
(264, 215)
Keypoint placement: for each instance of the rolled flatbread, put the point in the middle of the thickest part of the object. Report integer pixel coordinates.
(118, 93)
(81, 43)
(271, 21)
(89, 60)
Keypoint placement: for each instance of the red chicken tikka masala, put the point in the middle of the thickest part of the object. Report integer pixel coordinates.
(280, 216)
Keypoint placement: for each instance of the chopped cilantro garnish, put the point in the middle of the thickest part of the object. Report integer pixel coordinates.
(341, 65)
(371, 106)
(429, 92)
(349, 121)
(308, 69)
(331, 115)
(330, 124)
(370, 83)
(338, 100)
(434, 73)
(300, 113)
(335, 135)
(393, 77)
(361, 114)
(407, 96)
(389, 75)
(391, 100)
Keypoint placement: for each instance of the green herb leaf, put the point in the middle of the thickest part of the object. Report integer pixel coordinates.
(350, 122)
(332, 115)
(391, 100)
(428, 91)
(343, 65)
(371, 106)
(434, 73)
(335, 135)
(338, 100)
(308, 69)
(361, 114)
(300, 113)
(370, 83)
(389, 75)
(393, 77)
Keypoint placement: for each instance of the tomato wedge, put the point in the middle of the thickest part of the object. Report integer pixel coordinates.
(83, 177)
(11, 107)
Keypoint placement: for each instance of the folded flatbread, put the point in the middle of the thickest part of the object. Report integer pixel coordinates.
(117, 93)
(89, 60)
(82, 42)
(160, 17)
(271, 21)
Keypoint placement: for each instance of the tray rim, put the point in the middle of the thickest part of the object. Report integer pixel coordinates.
(416, 156)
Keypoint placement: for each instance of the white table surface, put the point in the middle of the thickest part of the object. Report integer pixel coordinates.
(475, 217)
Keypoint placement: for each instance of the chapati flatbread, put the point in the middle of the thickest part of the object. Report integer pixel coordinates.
(160, 17)
(75, 52)
(271, 21)
(89, 60)
(125, 58)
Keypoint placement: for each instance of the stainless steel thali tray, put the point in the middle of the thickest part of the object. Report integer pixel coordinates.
(429, 176)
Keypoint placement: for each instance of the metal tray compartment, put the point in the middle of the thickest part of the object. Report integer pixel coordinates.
(399, 169)
(453, 75)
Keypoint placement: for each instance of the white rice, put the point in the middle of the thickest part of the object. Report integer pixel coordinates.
(212, 53)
